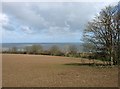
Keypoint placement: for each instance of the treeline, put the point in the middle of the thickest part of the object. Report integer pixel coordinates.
(67, 51)
(70, 51)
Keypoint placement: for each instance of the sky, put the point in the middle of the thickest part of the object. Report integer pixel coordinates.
(46, 22)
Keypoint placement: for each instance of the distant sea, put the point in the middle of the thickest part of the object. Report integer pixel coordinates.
(62, 46)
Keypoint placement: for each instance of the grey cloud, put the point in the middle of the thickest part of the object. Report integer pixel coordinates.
(24, 15)
(8, 27)
(6, 23)
(51, 17)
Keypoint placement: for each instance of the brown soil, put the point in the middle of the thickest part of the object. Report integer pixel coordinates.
(20, 70)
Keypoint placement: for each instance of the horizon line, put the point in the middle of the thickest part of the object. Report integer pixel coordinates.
(38, 42)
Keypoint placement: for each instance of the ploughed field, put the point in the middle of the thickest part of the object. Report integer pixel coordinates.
(20, 70)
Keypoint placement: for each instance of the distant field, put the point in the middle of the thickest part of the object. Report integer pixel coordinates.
(51, 71)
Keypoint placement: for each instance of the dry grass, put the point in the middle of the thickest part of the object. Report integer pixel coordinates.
(50, 71)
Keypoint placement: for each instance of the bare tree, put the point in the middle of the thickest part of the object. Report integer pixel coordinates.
(103, 33)
(65, 50)
(13, 49)
(72, 50)
(54, 50)
(27, 49)
(34, 49)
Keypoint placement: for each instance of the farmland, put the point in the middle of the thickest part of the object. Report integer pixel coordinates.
(22, 70)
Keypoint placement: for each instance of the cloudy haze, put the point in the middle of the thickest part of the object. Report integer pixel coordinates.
(46, 22)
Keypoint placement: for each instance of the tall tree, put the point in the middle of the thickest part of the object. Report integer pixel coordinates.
(104, 33)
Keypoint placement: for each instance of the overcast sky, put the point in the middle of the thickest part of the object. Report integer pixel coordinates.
(46, 22)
